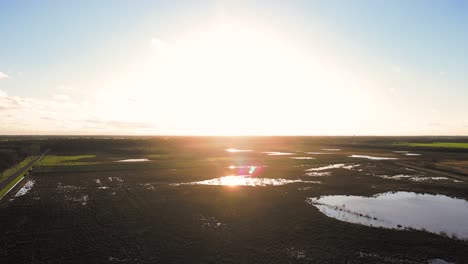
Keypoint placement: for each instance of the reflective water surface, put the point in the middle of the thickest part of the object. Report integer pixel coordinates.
(406, 153)
(303, 158)
(246, 180)
(372, 157)
(318, 173)
(238, 150)
(275, 153)
(132, 160)
(416, 178)
(26, 188)
(335, 166)
(437, 214)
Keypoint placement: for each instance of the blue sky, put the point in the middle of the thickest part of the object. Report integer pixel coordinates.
(373, 67)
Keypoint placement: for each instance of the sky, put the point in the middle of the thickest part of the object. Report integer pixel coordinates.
(110, 67)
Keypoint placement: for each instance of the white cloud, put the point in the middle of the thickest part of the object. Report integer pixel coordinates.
(3, 75)
(12, 102)
(117, 124)
(62, 114)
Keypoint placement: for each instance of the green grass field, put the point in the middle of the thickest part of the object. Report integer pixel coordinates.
(435, 145)
(10, 171)
(52, 160)
(10, 185)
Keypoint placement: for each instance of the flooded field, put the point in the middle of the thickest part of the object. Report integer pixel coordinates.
(133, 160)
(226, 200)
(437, 214)
(25, 189)
(372, 157)
(274, 153)
(303, 158)
(247, 180)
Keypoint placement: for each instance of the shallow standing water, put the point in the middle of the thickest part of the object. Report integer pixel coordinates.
(437, 214)
(276, 153)
(133, 160)
(247, 180)
(372, 157)
(233, 150)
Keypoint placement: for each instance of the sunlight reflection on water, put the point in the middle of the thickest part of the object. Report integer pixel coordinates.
(275, 153)
(233, 150)
(133, 160)
(246, 180)
(372, 157)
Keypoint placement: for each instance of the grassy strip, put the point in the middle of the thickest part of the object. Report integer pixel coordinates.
(12, 170)
(52, 160)
(435, 145)
(11, 185)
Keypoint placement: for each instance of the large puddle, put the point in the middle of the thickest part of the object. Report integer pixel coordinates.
(372, 157)
(406, 153)
(416, 178)
(132, 160)
(26, 188)
(233, 150)
(335, 166)
(275, 153)
(318, 173)
(245, 180)
(437, 214)
(303, 158)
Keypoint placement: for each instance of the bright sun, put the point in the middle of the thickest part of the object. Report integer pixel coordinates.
(237, 79)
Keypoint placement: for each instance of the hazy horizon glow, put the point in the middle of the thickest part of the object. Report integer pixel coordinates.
(234, 68)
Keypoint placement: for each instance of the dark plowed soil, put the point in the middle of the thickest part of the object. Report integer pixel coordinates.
(136, 213)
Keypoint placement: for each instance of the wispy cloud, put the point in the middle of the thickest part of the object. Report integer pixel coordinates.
(117, 124)
(3, 75)
(61, 113)
(12, 102)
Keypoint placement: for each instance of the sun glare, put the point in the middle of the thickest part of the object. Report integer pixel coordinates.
(236, 79)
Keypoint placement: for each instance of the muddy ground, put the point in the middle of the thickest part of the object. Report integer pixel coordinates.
(110, 212)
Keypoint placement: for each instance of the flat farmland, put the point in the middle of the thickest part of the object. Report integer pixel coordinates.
(223, 200)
